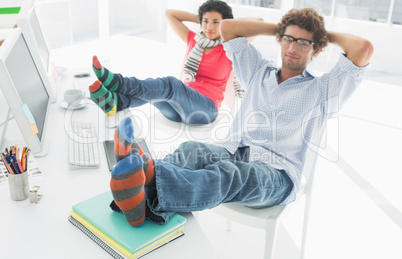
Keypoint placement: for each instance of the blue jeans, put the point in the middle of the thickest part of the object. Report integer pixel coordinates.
(175, 100)
(201, 176)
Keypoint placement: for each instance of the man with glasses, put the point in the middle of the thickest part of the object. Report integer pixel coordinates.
(284, 107)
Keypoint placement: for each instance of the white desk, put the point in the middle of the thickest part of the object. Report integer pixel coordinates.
(29, 230)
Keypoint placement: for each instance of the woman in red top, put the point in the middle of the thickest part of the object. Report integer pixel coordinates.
(196, 98)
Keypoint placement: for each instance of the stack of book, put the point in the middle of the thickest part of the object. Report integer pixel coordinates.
(111, 231)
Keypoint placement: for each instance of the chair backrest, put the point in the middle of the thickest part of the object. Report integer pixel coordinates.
(312, 152)
(229, 98)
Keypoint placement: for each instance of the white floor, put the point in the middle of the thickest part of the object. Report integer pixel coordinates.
(357, 205)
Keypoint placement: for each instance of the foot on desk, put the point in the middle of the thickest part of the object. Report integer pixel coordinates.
(148, 169)
(123, 149)
(108, 79)
(128, 177)
(104, 98)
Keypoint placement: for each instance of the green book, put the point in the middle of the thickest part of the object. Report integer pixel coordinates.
(111, 231)
(10, 10)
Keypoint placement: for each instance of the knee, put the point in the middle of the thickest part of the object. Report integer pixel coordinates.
(199, 118)
(189, 145)
(170, 80)
(192, 147)
(172, 116)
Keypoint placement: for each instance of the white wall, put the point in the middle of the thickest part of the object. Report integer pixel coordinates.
(385, 38)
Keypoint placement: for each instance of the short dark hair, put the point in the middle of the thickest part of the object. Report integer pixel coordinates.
(307, 19)
(215, 5)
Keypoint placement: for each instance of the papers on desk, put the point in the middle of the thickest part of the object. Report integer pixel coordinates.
(111, 231)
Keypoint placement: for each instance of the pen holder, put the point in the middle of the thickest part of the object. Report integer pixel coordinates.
(19, 186)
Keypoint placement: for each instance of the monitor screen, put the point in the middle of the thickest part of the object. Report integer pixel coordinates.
(39, 37)
(22, 84)
(27, 82)
(29, 24)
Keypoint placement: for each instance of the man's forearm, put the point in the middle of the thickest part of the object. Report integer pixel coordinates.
(234, 28)
(358, 50)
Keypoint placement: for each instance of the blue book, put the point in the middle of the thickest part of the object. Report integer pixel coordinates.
(111, 231)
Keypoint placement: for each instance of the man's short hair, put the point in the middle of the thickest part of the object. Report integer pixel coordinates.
(307, 19)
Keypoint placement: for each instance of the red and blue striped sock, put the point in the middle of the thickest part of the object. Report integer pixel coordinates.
(148, 168)
(125, 148)
(128, 177)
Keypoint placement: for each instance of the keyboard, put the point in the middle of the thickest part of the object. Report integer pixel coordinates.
(83, 146)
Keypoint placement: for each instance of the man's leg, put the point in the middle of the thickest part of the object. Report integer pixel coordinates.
(200, 176)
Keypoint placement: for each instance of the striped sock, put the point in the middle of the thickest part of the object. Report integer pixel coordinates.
(124, 148)
(105, 99)
(108, 79)
(128, 178)
(148, 168)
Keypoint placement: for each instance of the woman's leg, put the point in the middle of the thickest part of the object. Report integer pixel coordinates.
(168, 111)
(173, 98)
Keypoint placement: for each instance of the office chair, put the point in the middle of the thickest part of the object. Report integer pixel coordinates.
(269, 219)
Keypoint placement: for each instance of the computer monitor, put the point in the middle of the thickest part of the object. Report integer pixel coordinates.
(23, 87)
(30, 26)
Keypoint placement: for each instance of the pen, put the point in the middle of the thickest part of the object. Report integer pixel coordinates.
(26, 159)
(19, 166)
(14, 164)
(10, 171)
(23, 152)
(23, 158)
(17, 152)
(26, 162)
(24, 168)
(81, 75)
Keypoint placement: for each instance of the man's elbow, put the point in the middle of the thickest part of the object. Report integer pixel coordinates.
(366, 51)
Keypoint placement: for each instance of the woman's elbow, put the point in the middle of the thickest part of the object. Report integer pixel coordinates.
(224, 29)
(168, 12)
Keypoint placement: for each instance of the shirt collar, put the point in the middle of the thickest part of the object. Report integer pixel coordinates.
(304, 74)
(307, 73)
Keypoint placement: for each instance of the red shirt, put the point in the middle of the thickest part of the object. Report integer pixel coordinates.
(213, 72)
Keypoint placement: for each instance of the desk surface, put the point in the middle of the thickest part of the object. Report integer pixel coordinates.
(42, 230)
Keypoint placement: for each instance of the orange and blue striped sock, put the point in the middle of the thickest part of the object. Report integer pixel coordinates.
(104, 98)
(128, 177)
(148, 163)
(108, 79)
(126, 148)
(148, 168)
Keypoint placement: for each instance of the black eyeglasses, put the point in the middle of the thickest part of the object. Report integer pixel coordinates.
(303, 44)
